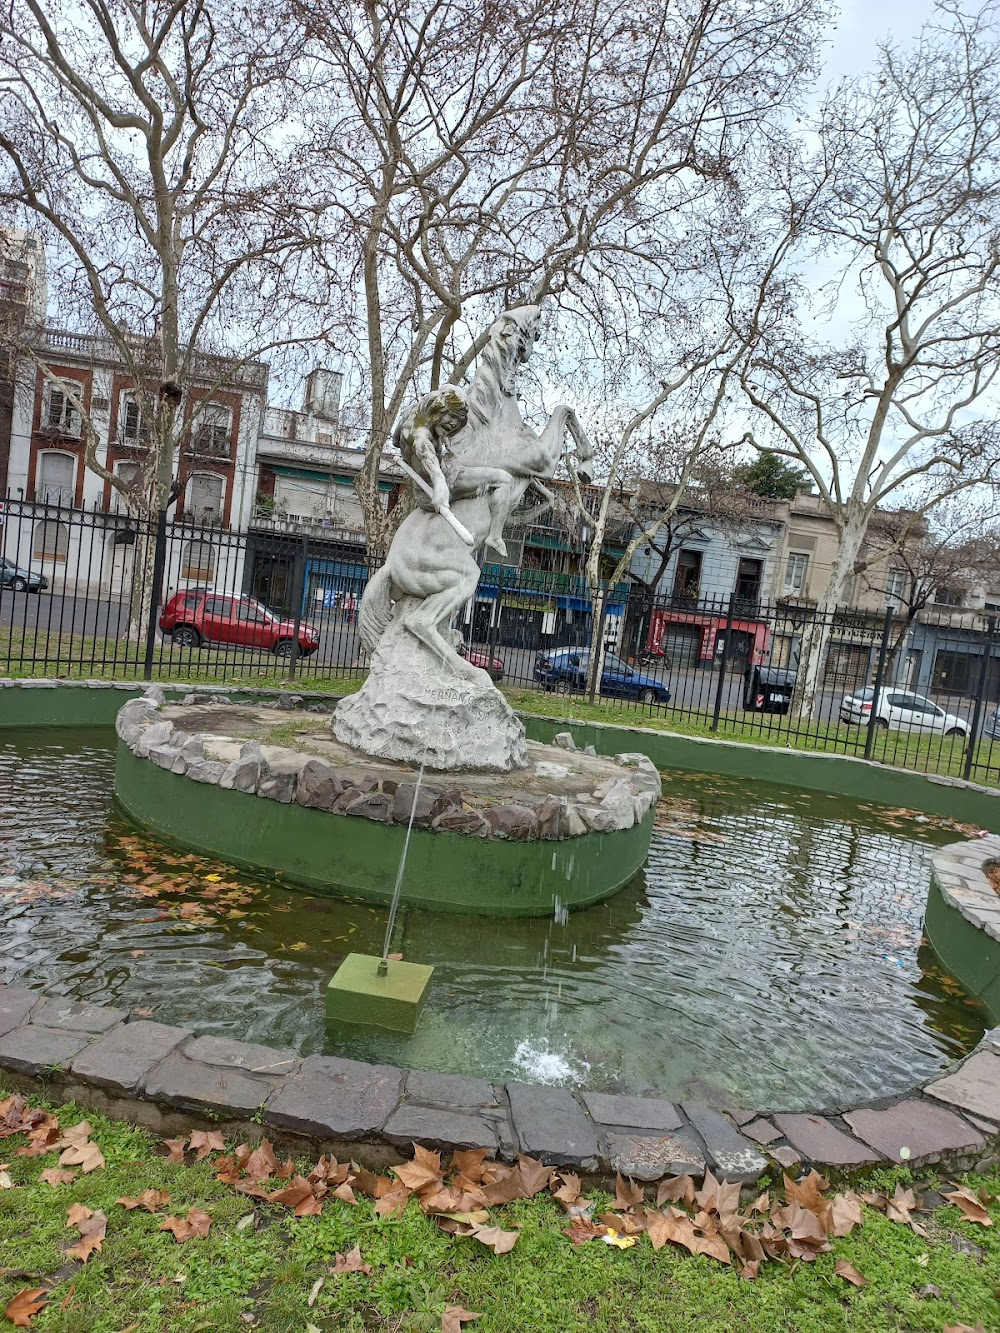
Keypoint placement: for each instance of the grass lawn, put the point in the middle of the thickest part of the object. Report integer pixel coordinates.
(259, 1264)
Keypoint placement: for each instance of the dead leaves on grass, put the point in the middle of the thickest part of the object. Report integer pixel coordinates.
(196, 1224)
(972, 1205)
(92, 1227)
(25, 1305)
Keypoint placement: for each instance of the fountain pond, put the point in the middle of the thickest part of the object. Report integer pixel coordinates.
(769, 953)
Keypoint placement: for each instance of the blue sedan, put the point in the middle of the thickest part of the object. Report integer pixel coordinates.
(21, 580)
(565, 671)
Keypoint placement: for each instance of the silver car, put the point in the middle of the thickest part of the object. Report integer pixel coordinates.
(901, 710)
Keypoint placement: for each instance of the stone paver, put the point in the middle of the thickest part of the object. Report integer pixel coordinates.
(761, 1131)
(735, 1159)
(330, 1096)
(248, 1056)
(817, 1140)
(184, 1082)
(645, 1158)
(16, 1002)
(76, 1015)
(975, 1087)
(31, 1049)
(550, 1124)
(786, 1157)
(448, 1090)
(122, 1058)
(646, 1113)
(439, 1129)
(922, 1128)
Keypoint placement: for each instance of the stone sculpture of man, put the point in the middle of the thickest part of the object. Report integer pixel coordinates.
(423, 438)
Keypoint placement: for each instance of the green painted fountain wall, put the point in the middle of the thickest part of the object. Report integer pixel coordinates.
(332, 852)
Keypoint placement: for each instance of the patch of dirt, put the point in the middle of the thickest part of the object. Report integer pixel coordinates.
(993, 875)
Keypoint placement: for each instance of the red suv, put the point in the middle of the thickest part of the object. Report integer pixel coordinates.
(194, 618)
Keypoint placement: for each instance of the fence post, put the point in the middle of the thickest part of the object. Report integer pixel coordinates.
(717, 710)
(883, 650)
(977, 713)
(300, 592)
(159, 562)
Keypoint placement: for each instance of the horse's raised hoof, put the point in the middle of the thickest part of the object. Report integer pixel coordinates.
(497, 544)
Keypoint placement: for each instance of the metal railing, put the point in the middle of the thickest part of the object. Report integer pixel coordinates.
(90, 593)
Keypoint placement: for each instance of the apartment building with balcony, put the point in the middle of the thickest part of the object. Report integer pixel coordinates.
(48, 475)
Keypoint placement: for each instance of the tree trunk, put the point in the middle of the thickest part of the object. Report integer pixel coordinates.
(816, 638)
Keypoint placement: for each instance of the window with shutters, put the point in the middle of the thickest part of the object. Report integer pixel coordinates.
(213, 430)
(205, 496)
(50, 541)
(132, 424)
(60, 411)
(198, 561)
(795, 574)
(55, 479)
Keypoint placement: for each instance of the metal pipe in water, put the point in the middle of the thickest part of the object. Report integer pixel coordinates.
(383, 966)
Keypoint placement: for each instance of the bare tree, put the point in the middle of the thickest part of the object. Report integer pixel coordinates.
(154, 147)
(957, 549)
(901, 205)
(471, 157)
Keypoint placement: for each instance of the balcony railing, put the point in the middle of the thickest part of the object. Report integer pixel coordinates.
(204, 365)
(544, 580)
(298, 525)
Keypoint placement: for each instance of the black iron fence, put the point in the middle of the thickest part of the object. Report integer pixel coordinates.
(95, 594)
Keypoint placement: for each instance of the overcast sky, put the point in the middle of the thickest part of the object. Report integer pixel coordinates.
(863, 24)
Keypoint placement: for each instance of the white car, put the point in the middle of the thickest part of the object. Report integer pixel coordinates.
(902, 711)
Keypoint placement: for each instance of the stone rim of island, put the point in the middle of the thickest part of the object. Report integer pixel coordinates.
(536, 820)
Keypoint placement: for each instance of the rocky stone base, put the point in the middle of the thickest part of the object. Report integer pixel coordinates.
(558, 793)
(170, 1079)
(412, 709)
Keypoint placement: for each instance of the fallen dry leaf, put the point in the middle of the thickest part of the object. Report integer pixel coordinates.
(581, 1229)
(850, 1274)
(678, 1190)
(350, 1262)
(25, 1305)
(205, 1141)
(87, 1156)
(627, 1193)
(196, 1223)
(261, 1164)
(972, 1207)
(495, 1238)
(148, 1199)
(569, 1190)
(425, 1169)
(454, 1317)
(54, 1176)
(92, 1227)
(314, 1291)
(175, 1150)
(964, 1328)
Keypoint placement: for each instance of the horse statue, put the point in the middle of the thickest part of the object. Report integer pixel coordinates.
(472, 460)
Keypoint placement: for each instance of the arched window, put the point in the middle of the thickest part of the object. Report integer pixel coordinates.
(205, 491)
(60, 411)
(55, 481)
(198, 561)
(50, 540)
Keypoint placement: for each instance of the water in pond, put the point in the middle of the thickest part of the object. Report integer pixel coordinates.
(770, 955)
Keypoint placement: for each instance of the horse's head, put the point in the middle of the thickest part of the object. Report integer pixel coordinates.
(513, 336)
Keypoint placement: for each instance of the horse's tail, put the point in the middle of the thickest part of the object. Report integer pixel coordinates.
(375, 609)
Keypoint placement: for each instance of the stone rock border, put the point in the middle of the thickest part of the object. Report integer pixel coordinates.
(168, 1078)
(283, 774)
(960, 871)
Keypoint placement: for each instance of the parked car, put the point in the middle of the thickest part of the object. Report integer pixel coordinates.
(194, 618)
(21, 580)
(565, 671)
(991, 725)
(484, 661)
(902, 711)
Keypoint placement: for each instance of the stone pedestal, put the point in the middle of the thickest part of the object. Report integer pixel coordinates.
(414, 709)
(358, 994)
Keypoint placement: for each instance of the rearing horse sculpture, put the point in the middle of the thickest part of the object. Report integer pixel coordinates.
(430, 572)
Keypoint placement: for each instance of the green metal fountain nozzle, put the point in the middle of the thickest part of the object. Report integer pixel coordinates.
(366, 992)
